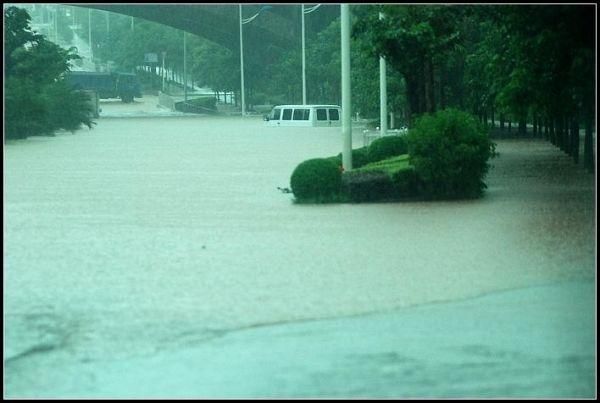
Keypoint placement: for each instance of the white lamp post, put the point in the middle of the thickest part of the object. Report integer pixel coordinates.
(184, 67)
(244, 21)
(346, 98)
(305, 11)
(382, 93)
(90, 33)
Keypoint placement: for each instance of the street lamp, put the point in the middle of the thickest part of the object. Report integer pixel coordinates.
(90, 34)
(346, 98)
(382, 93)
(244, 21)
(305, 11)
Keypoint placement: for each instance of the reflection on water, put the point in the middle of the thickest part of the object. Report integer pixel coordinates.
(145, 234)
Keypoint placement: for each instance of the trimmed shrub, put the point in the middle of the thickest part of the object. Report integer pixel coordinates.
(359, 157)
(406, 183)
(389, 165)
(316, 180)
(450, 152)
(386, 147)
(367, 186)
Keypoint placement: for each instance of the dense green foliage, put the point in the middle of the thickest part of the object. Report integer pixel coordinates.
(316, 180)
(390, 179)
(367, 186)
(450, 152)
(386, 147)
(37, 100)
(359, 157)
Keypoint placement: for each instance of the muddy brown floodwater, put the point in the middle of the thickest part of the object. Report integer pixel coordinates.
(149, 235)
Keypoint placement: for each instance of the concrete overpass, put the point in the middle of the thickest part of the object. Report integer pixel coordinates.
(279, 27)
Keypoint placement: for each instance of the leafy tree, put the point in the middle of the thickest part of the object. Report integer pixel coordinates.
(37, 101)
(416, 40)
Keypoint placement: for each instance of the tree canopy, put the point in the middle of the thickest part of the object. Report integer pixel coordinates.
(37, 100)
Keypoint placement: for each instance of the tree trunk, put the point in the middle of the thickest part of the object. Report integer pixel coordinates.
(431, 93)
(588, 147)
(535, 127)
(421, 93)
(575, 140)
(493, 120)
(509, 127)
(566, 137)
(553, 131)
(546, 129)
(442, 93)
(501, 122)
(560, 135)
(412, 95)
(522, 127)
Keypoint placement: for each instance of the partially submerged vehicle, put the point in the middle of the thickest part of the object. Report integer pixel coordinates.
(107, 85)
(305, 115)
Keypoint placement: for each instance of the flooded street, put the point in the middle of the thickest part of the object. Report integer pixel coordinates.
(155, 256)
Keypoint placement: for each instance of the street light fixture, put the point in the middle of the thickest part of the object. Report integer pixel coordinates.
(244, 21)
(305, 11)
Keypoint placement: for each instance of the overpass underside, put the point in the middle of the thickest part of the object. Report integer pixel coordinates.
(278, 27)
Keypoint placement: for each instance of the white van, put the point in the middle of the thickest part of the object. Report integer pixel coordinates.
(305, 115)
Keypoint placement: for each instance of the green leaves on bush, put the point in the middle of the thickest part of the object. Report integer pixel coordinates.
(316, 180)
(448, 159)
(406, 183)
(367, 186)
(359, 157)
(386, 147)
(450, 152)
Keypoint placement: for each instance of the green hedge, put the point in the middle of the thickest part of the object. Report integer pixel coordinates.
(390, 179)
(367, 186)
(386, 147)
(359, 158)
(316, 180)
(450, 152)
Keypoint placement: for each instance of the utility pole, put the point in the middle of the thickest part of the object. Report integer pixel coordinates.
(303, 61)
(382, 93)
(163, 71)
(184, 67)
(242, 65)
(346, 97)
(90, 34)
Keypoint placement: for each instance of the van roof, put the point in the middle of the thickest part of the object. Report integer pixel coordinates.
(306, 106)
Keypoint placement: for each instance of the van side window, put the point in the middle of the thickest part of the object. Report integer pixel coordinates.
(334, 114)
(298, 114)
(321, 114)
(301, 114)
(276, 114)
(287, 114)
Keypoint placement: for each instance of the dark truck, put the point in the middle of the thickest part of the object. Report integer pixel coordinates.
(107, 85)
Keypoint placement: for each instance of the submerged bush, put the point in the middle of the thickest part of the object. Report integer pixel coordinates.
(359, 158)
(386, 147)
(316, 180)
(406, 183)
(367, 186)
(450, 152)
